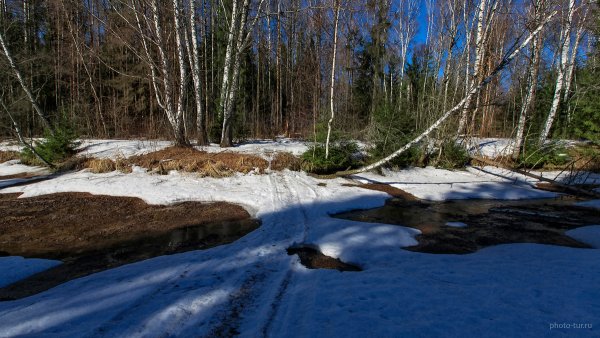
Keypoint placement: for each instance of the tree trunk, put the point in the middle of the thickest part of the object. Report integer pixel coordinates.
(332, 84)
(231, 91)
(560, 80)
(195, 68)
(24, 86)
(180, 117)
(529, 97)
(534, 66)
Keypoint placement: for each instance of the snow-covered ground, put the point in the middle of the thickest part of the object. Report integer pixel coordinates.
(15, 268)
(128, 148)
(253, 287)
(15, 167)
(439, 184)
(589, 235)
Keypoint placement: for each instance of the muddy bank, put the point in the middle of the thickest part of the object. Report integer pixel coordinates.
(488, 222)
(93, 233)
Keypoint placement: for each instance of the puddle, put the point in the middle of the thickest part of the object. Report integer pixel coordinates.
(109, 232)
(315, 259)
(489, 222)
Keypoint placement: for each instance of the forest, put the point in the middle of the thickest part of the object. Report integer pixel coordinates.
(380, 71)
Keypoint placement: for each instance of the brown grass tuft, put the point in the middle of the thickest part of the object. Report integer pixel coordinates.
(103, 165)
(207, 164)
(216, 170)
(286, 161)
(8, 156)
(100, 165)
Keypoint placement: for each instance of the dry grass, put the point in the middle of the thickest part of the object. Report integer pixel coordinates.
(104, 165)
(8, 156)
(217, 165)
(206, 164)
(286, 161)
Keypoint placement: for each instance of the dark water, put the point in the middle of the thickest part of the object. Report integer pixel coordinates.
(489, 222)
(79, 264)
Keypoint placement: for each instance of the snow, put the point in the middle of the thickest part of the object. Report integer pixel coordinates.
(590, 204)
(119, 148)
(495, 147)
(14, 167)
(15, 268)
(10, 146)
(264, 148)
(128, 148)
(252, 286)
(456, 224)
(588, 235)
(491, 147)
(439, 184)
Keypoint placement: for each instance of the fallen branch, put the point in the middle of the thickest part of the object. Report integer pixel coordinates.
(474, 90)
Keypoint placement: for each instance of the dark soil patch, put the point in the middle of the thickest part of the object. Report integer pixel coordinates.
(315, 259)
(489, 222)
(93, 233)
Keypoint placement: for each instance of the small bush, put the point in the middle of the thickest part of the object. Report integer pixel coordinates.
(534, 156)
(451, 155)
(414, 156)
(342, 156)
(54, 148)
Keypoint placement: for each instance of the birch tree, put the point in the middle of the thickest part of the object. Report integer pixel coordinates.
(538, 10)
(506, 60)
(17, 73)
(150, 28)
(332, 84)
(195, 70)
(237, 42)
(486, 11)
(565, 47)
(406, 30)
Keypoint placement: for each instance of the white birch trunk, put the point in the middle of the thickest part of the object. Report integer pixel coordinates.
(195, 69)
(332, 84)
(463, 117)
(24, 86)
(530, 96)
(166, 75)
(227, 62)
(564, 59)
(573, 59)
(180, 115)
(230, 95)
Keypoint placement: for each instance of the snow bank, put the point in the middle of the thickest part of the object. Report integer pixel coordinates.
(10, 146)
(14, 167)
(127, 148)
(491, 147)
(15, 268)
(439, 184)
(588, 235)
